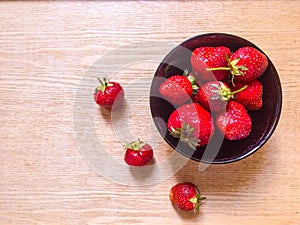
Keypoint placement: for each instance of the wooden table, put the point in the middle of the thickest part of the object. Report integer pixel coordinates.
(47, 50)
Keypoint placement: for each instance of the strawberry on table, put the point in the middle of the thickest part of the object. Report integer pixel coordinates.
(109, 95)
(235, 123)
(186, 196)
(214, 95)
(178, 89)
(206, 57)
(251, 97)
(138, 153)
(192, 124)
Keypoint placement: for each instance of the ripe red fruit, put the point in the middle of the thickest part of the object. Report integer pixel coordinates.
(251, 97)
(109, 95)
(214, 95)
(204, 58)
(234, 123)
(248, 64)
(138, 153)
(186, 196)
(178, 89)
(192, 124)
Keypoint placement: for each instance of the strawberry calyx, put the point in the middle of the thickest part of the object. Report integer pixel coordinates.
(235, 70)
(185, 134)
(197, 200)
(224, 93)
(135, 145)
(192, 80)
(104, 82)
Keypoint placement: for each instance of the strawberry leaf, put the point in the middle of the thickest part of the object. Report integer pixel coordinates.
(104, 82)
(185, 134)
(135, 145)
(197, 200)
(194, 200)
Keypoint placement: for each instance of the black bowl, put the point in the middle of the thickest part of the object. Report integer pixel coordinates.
(219, 150)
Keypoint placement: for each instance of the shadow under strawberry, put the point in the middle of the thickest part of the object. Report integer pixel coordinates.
(189, 216)
(141, 173)
(116, 115)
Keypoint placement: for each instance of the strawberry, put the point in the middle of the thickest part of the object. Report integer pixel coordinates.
(255, 61)
(251, 97)
(192, 124)
(245, 64)
(234, 123)
(214, 95)
(186, 196)
(138, 153)
(203, 58)
(109, 95)
(178, 89)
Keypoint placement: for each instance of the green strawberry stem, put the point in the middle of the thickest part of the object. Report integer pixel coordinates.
(235, 70)
(239, 90)
(224, 92)
(227, 94)
(218, 68)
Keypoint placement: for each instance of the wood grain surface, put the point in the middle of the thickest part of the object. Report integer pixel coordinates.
(50, 55)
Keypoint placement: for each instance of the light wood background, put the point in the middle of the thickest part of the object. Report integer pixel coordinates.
(47, 48)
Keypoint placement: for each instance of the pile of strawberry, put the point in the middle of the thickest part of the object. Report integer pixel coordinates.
(216, 94)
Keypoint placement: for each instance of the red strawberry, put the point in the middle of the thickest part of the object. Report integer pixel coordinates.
(214, 95)
(178, 89)
(109, 95)
(234, 123)
(251, 97)
(138, 153)
(186, 196)
(210, 57)
(192, 124)
(248, 64)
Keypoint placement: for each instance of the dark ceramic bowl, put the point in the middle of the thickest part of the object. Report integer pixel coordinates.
(219, 150)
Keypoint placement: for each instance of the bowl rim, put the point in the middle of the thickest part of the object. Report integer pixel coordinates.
(258, 145)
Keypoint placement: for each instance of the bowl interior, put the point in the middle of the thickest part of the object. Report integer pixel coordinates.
(219, 150)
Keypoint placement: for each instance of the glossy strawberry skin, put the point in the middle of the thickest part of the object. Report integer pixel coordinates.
(251, 97)
(140, 157)
(197, 117)
(111, 98)
(234, 123)
(176, 89)
(203, 58)
(210, 96)
(255, 61)
(181, 194)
